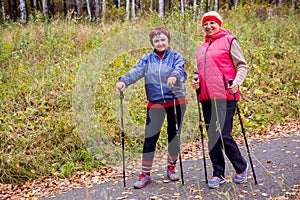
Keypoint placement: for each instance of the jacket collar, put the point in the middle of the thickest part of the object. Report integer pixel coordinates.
(166, 52)
(221, 33)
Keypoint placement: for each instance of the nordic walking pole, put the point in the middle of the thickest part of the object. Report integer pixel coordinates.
(201, 129)
(123, 135)
(244, 133)
(178, 136)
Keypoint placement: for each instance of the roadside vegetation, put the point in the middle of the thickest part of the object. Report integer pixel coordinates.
(39, 64)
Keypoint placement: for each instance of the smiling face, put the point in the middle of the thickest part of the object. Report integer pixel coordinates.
(211, 27)
(160, 42)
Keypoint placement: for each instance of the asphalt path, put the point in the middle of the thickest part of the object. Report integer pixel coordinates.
(276, 164)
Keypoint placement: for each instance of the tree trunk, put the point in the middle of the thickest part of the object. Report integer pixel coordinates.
(293, 4)
(127, 9)
(195, 9)
(12, 10)
(23, 11)
(133, 9)
(103, 10)
(182, 7)
(65, 8)
(78, 6)
(236, 3)
(161, 8)
(141, 7)
(3, 11)
(73, 7)
(97, 10)
(151, 5)
(216, 5)
(45, 9)
(89, 10)
(201, 9)
(51, 8)
(207, 6)
(34, 4)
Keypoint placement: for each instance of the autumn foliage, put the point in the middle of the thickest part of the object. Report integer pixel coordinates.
(39, 64)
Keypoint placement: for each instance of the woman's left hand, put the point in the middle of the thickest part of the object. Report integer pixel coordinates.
(233, 88)
(171, 81)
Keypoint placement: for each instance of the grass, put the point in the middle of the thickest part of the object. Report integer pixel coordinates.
(59, 110)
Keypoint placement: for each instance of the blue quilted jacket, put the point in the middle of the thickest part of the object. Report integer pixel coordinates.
(156, 72)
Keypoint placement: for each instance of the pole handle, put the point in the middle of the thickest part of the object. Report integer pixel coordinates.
(196, 79)
(230, 82)
(121, 95)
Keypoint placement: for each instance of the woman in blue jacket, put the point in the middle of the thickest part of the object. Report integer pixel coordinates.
(164, 76)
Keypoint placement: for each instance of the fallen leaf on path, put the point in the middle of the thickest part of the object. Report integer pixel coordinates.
(296, 186)
(264, 194)
(120, 198)
(92, 192)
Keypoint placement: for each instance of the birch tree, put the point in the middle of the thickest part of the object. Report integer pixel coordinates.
(35, 4)
(216, 5)
(235, 3)
(141, 7)
(182, 7)
(45, 9)
(127, 9)
(195, 9)
(78, 6)
(119, 3)
(89, 10)
(161, 8)
(103, 10)
(97, 10)
(293, 4)
(3, 10)
(201, 10)
(151, 5)
(133, 9)
(23, 11)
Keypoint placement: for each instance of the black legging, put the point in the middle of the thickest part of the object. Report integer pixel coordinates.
(154, 122)
(219, 114)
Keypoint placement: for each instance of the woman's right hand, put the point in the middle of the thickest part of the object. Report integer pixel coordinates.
(120, 85)
(195, 84)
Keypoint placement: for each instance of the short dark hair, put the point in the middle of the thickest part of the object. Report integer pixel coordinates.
(157, 31)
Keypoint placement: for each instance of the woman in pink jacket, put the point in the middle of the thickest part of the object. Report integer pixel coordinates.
(219, 59)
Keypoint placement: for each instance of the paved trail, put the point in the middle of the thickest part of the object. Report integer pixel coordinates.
(276, 164)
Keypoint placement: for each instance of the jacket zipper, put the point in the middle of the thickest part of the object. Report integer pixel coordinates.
(160, 81)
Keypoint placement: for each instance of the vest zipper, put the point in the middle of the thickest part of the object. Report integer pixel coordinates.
(204, 73)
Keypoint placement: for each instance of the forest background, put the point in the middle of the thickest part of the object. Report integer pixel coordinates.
(59, 110)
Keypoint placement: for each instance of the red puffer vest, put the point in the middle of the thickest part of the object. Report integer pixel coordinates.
(215, 66)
